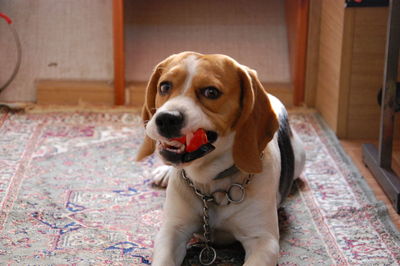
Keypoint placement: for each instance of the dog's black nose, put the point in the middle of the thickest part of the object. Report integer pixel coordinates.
(170, 123)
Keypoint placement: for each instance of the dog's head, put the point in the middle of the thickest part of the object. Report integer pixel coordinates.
(191, 91)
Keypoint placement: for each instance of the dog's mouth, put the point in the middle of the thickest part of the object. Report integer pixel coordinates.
(189, 147)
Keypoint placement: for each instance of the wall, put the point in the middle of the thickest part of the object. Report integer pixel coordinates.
(254, 34)
(61, 39)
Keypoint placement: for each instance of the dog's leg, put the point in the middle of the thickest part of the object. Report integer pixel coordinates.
(161, 175)
(259, 236)
(261, 250)
(180, 222)
(299, 155)
(170, 244)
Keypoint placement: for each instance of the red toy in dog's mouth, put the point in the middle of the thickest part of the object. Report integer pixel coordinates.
(188, 148)
(188, 143)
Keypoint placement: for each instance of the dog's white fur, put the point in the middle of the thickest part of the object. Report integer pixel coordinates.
(253, 222)
(191, 65)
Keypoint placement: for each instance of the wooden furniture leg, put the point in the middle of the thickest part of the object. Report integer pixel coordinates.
(119, 55)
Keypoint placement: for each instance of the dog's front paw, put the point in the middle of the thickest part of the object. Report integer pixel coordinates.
(161, 175)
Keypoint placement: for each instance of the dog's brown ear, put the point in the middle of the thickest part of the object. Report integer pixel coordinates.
(256, 124)
(148, 110)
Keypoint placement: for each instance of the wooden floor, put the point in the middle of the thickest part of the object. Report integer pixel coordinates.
(353, 148)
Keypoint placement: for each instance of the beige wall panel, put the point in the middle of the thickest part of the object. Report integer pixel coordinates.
(254, 34)
(61, 39)
(332, 13)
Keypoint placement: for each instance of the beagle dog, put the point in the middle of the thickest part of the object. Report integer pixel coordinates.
(230, 186)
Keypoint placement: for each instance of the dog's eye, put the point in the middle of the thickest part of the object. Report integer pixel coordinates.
(165, 87)
(211, 93)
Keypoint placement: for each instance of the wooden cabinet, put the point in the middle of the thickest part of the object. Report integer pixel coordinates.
(346, 72)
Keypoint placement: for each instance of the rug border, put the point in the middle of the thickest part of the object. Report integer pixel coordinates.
(381, 207)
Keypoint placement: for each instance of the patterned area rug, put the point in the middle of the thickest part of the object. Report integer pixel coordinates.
(71, 193)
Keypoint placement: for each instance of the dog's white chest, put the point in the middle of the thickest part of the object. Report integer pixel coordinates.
(225, 217)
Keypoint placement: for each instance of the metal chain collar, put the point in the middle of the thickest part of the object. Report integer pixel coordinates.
(208, 254)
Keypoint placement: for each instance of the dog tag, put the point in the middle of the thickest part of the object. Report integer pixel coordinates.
(207, 256)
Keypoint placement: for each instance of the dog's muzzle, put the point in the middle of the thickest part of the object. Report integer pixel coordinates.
(177, 148)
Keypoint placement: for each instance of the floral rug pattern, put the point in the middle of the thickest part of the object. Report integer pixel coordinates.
(71, 194)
